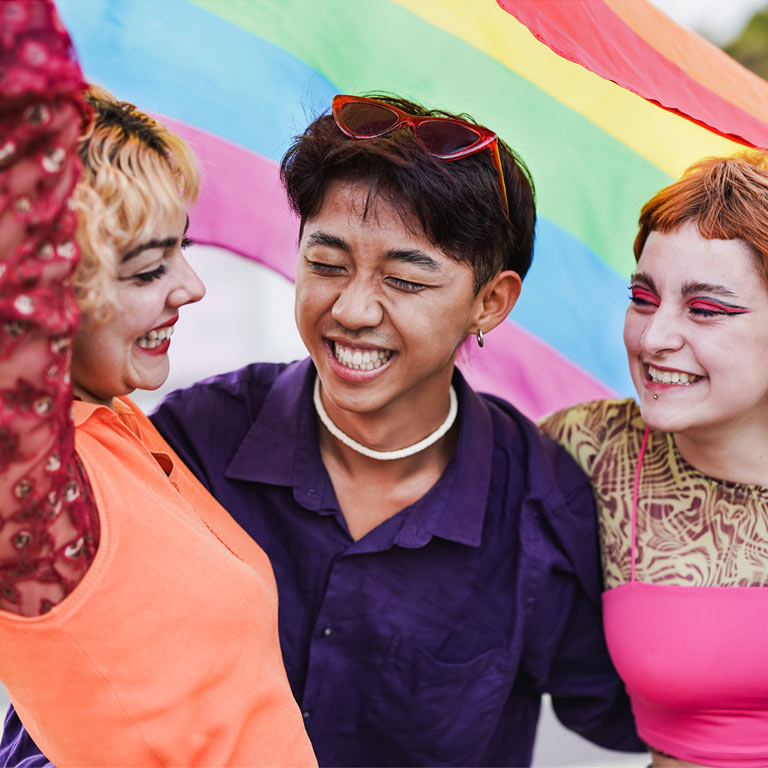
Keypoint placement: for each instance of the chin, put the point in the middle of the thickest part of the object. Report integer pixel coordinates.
(668, 418)
(151, 379)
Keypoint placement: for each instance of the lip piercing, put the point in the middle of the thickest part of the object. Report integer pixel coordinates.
(655, 397)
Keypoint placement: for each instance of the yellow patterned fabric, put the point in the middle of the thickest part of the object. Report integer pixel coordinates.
(692, 529)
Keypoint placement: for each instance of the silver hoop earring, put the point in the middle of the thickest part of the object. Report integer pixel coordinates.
(480, 340)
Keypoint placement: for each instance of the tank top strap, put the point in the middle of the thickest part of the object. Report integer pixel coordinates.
(635, 494)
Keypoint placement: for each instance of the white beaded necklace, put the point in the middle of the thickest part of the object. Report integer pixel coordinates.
(401, 453)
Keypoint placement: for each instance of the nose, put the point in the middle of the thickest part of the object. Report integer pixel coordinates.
(357, 305)
(188, 287)
(661, 333)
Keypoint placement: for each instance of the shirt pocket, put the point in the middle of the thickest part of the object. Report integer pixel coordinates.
(429, 712)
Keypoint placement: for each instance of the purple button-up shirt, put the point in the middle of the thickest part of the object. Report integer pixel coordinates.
(430, 640)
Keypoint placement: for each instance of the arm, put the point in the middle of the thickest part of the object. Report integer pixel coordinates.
(46, 512)
(17, 750)
(567, 653)
(587, 695)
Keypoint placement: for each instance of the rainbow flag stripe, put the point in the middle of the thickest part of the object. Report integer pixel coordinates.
(239, 78)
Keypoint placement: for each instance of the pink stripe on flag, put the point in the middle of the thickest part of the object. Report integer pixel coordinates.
(519, 367)
(242, 206)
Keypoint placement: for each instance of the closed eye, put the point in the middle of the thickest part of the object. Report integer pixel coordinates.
(405, 285)
(640, 296)
(148, 277)
(324, 269)
(710, 308)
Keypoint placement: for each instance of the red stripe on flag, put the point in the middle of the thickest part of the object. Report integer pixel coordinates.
(591, 34)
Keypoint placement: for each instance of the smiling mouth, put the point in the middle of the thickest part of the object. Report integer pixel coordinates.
(155, 337)
(360, 359)
(678, 378)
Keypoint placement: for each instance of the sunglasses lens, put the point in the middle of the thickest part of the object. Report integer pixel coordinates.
(443, 137)
(366, 119)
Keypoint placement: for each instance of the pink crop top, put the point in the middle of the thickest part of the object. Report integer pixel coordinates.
(694, 663)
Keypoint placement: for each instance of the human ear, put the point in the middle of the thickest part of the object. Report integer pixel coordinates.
(495, 301)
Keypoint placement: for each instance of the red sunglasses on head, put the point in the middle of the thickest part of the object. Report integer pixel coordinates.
(445, 137)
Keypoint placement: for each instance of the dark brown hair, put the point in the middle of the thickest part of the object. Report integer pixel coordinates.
(458, 203)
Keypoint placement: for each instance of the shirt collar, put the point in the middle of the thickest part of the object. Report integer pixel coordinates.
(281, 448)
(83, 410)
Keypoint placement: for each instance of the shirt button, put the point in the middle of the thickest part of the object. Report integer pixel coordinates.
(327, 631)
(305, 714)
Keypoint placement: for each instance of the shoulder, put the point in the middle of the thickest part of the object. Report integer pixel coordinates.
(550, 473)
(558, 520)
(586, 429)
(597, 418)
(218, 411)
(243, 389)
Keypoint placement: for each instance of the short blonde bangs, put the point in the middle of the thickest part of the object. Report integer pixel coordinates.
(134, 172)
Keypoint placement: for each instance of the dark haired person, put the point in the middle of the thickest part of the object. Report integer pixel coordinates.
(436, 556)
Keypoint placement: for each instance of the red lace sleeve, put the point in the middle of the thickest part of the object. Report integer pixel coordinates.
(48, 524)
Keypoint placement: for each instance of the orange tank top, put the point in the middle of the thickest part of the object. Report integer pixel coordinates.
(167, 651)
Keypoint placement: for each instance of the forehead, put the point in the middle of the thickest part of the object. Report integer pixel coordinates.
(360, 214)
(684, 256)
(160, 216)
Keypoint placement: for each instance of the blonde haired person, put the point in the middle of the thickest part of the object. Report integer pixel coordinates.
(681, 476)
(131, 606)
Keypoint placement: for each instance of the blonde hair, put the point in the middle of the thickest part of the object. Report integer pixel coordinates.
(134, 172)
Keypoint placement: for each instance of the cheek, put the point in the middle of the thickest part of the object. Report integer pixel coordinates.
(90, 343)
(302, 306)
(312, 295)
(633, 331)
(138, 307)
(441, 325)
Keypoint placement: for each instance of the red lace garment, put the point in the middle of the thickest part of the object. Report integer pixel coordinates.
(48, 522)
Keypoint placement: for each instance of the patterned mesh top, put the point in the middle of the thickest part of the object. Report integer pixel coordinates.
(692, 530)
(686, 632)
(48, 525)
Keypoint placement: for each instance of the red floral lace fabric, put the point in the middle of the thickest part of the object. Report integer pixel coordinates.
(48, 522)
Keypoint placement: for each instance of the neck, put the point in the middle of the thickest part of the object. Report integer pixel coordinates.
(381, 438)
(80, 393)
(353, 464)
(738, 456)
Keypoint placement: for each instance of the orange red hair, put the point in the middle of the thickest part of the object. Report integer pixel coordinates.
(727, 198)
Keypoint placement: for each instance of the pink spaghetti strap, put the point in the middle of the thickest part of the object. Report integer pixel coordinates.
(635, 492)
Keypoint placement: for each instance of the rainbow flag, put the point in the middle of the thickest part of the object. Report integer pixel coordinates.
(573, 85)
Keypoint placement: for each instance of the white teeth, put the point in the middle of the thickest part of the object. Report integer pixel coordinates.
(155, 337)
(360, 361)
(672, 377)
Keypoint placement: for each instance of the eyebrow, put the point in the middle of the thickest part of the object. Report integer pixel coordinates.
(689, 288)
(168, 242)
(415, 257)
(646, 280)
(404, 255)
(328, 240)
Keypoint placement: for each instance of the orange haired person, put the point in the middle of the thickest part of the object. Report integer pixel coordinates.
(681, 475)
